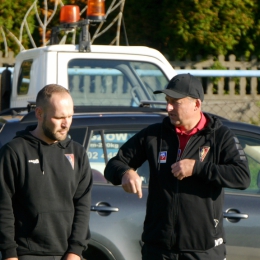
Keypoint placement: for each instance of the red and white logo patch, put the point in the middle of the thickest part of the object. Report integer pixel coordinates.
(163, 157)
(70, 158)
(203, 152)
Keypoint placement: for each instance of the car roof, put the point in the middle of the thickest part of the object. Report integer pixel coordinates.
(110, 116)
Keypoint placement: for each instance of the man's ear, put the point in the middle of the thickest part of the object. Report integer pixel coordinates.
(198, 104)
(39, 113)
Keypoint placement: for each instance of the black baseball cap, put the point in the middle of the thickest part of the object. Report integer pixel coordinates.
(183, 85)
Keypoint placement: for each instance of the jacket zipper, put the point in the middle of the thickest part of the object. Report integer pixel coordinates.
(173, 241)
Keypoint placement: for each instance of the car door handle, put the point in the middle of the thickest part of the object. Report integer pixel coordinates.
(104, 209)
(235, 215)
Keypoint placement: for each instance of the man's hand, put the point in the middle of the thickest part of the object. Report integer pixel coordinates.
(71, 256)
(183, 168)
(12, 258)
(132, 182)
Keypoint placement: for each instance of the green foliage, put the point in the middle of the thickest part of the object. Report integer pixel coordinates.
(216, 66)
(192, 27)
(11, 17)
(142, 19)
(178, 29)
(189, 28)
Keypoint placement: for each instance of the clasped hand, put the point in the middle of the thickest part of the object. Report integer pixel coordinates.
(183, 168)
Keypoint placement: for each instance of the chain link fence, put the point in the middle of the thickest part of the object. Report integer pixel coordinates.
(235, 110)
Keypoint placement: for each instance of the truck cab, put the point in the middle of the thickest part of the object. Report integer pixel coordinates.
(107, 75)
(96, 75)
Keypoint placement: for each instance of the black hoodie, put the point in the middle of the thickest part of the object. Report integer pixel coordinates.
(45, 197)
(185, 215)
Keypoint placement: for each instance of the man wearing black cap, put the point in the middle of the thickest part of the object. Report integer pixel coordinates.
(192, 157)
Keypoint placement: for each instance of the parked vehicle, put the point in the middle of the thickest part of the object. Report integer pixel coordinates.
(95, 75)
(117, 217)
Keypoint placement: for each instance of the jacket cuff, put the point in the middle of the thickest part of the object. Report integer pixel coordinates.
(76, 249)
(8, 253)
(123, 173)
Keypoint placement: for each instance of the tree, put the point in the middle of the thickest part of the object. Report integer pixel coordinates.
(176, 28)
(41, 16)
(204, 27)
(191, 27)
(11, 16)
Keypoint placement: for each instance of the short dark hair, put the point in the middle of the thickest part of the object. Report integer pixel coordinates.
(46, 92)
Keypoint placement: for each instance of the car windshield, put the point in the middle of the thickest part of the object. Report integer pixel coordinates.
(114, 82)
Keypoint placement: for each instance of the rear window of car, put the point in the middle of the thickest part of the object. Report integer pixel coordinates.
(104, 145)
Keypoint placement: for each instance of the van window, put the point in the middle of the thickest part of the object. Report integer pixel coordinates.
(114, 82)
(24, 77)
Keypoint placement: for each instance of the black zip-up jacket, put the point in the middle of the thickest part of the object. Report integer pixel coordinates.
(185, 215)
(45, 197)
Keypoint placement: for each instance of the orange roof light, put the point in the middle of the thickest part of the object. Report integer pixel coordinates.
(96, 10)
(69, 14)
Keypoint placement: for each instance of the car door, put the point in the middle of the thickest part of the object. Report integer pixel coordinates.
(117, 217)
(242, 207)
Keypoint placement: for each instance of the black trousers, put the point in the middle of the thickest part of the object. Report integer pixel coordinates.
(154, 253)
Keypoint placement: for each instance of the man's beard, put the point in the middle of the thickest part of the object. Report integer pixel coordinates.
(48, 133)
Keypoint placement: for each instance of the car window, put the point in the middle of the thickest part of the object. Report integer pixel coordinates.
(78, 134)
(113, 82)
(104, 145)
(24, 77)
(251, 147)
(152, 77)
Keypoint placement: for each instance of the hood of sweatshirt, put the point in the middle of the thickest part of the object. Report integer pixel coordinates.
(38, 143)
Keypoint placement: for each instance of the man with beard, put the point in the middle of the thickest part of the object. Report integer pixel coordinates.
(45, 186)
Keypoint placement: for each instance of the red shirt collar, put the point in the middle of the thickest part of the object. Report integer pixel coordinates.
(201, 124)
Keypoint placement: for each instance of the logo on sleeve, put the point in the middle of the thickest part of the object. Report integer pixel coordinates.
(35, 161)
(163, 157)
(240, 150)
(70, 158)
(203, 151)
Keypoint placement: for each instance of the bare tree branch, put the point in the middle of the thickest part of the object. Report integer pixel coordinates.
(16, 40)
(5, 42)
(30, 35)
(115, 4)
(24, 20)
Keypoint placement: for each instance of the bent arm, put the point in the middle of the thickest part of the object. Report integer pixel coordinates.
(130, 156)
(231, 170)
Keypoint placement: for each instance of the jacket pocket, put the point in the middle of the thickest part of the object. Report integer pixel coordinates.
(51, 232)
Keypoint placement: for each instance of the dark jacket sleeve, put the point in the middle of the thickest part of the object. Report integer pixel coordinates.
(8, 173)
(82, 204)
(131, 155)
(230, 170)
